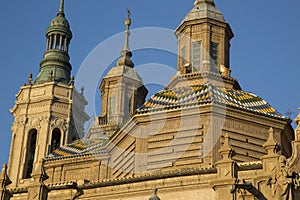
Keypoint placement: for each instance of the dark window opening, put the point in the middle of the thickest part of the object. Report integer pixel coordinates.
(57, 45)
(51, 42)
(214, 51)
(31, 146)
(55, 141)
(67, 47)
(63, 42)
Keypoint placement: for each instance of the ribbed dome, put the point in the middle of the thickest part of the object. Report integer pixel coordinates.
(61, 24)
(60, 21)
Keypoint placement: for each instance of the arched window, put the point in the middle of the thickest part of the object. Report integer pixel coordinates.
(31, 146)
(55, 141)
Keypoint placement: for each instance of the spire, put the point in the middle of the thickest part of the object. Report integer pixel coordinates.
(127, 32)
(61, 8)
(56, 66)
(126, 54)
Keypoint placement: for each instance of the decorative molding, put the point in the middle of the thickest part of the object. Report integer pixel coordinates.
(60, 105)
(21, 121)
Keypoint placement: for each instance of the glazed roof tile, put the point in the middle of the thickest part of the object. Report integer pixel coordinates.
(202, 94)
(80, 147)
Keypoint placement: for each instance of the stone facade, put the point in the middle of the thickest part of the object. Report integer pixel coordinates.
(201, 137)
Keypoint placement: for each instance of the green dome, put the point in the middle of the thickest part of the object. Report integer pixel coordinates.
(59, 24)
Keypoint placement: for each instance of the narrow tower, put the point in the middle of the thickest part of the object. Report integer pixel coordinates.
(49, 112)
(122, 90)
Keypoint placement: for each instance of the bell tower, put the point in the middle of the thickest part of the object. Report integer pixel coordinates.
(122, 90)
(49, 112)
(204, 45)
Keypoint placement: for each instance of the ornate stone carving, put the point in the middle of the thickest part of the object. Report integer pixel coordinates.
(284, 182)
(59, 123)
(33, 123)
(44, 119)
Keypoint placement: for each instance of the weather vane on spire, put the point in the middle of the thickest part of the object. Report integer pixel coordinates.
(128, 12)
(126, 54)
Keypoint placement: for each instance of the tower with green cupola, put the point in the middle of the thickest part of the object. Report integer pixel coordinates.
(56, 65)
(49, 111)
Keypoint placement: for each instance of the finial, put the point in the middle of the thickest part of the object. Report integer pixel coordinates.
(126, 53)
(30, 79)
(271, 145)
(72, 80)
(127, 32)
(82, 90)
(128, 12)
(61, 7)
(4, 167)
(226, 150)
(289, 113)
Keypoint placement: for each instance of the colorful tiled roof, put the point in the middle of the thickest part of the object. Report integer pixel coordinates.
(80, 147)
(202, 94)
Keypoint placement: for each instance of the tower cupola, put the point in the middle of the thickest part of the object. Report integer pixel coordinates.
(204, 45)
(56, 66)
(122, 90)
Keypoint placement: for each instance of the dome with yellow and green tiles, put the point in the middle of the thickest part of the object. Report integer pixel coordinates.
(205, 94)
(80, 148)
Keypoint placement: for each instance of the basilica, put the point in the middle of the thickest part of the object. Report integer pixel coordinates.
(200, 137)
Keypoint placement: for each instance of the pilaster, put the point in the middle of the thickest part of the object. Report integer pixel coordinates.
(226, 172)
(37, 190)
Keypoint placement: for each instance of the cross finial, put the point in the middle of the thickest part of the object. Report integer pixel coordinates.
(289, 113)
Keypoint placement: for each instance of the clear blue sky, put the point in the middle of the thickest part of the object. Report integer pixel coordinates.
(264, 53)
